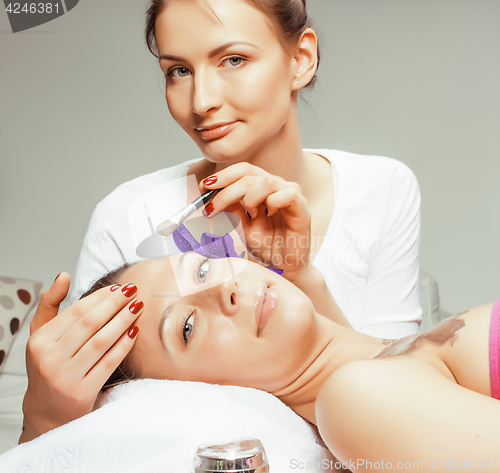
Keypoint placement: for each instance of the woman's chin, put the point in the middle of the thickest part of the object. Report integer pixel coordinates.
(222, 154)
(226, 150)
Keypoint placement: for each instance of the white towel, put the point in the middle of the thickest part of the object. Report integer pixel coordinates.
(149, 426)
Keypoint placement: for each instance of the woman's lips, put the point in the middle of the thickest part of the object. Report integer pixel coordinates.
(216, 131)
(267, 300)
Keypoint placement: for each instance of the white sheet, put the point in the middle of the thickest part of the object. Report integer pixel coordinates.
(155, 426)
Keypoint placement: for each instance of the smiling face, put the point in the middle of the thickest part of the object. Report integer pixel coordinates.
(229, 83)
(255, 330)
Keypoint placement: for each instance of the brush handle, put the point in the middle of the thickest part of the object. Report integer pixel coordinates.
(205, 198)
(197, 203)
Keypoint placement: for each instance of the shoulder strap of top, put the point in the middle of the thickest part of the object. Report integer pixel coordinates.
(494, 350)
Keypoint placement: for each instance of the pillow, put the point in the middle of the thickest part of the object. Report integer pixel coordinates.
(17, 297)
(153, 426)
(13, 379)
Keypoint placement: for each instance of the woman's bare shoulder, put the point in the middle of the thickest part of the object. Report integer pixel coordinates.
(403, 409)
(356, 402)
(457, 345)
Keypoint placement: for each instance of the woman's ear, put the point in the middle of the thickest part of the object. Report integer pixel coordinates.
(306, 59)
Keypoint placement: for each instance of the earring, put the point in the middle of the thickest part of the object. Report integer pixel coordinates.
(297, 82)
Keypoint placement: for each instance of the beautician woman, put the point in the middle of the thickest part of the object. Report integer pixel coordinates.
(233, 72)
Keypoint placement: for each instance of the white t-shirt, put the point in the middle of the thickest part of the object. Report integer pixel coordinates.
(369, 254)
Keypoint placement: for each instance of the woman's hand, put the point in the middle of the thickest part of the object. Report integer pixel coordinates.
(70, 355)
(277, 227)
(274, 214)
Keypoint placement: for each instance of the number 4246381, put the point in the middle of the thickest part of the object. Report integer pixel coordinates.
(33, 8)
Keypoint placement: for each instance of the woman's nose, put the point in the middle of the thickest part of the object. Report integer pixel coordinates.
(206, 93)
(228, 297)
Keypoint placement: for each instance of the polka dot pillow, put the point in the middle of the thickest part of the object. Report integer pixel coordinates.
(17, 297)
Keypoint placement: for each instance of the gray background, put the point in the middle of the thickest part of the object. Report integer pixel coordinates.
(82, 110)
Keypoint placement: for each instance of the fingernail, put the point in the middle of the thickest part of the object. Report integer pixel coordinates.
(129, 290)
(248, 214)
(133, 331)
(136, 306)
(57, 277)
(210, 181)
(114, 288)
(209, 209)
(266, 211)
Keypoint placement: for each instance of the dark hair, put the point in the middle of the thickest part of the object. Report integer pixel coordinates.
(123, 372)
(289, 16)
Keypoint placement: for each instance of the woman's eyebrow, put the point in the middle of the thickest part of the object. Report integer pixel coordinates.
(171, 58)
(212, 53)
(164, 317)
(218, 50)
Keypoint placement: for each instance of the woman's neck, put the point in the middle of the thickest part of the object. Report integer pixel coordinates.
(337, 347)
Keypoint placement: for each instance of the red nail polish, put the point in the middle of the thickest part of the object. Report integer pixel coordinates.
(133, 331)
(210, 181)
(114, 288)
(209, 209)
(129, 290)
(136, 306)
(57, 277)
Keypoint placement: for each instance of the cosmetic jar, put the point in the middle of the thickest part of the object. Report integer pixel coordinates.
(243, 456)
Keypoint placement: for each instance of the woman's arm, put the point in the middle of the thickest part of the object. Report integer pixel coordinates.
(313, 284)
(391, 305)
(70, 355)
(405, 412)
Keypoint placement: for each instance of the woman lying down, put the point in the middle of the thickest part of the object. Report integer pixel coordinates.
(426, 397)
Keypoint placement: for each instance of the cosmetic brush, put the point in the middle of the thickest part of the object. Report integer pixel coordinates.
(168, 226)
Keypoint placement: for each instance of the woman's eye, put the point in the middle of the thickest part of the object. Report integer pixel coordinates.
(234, 61)
(188, 327)
(178, 72)
(203, 270)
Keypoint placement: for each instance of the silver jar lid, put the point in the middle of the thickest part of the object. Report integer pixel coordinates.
(241, 456)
